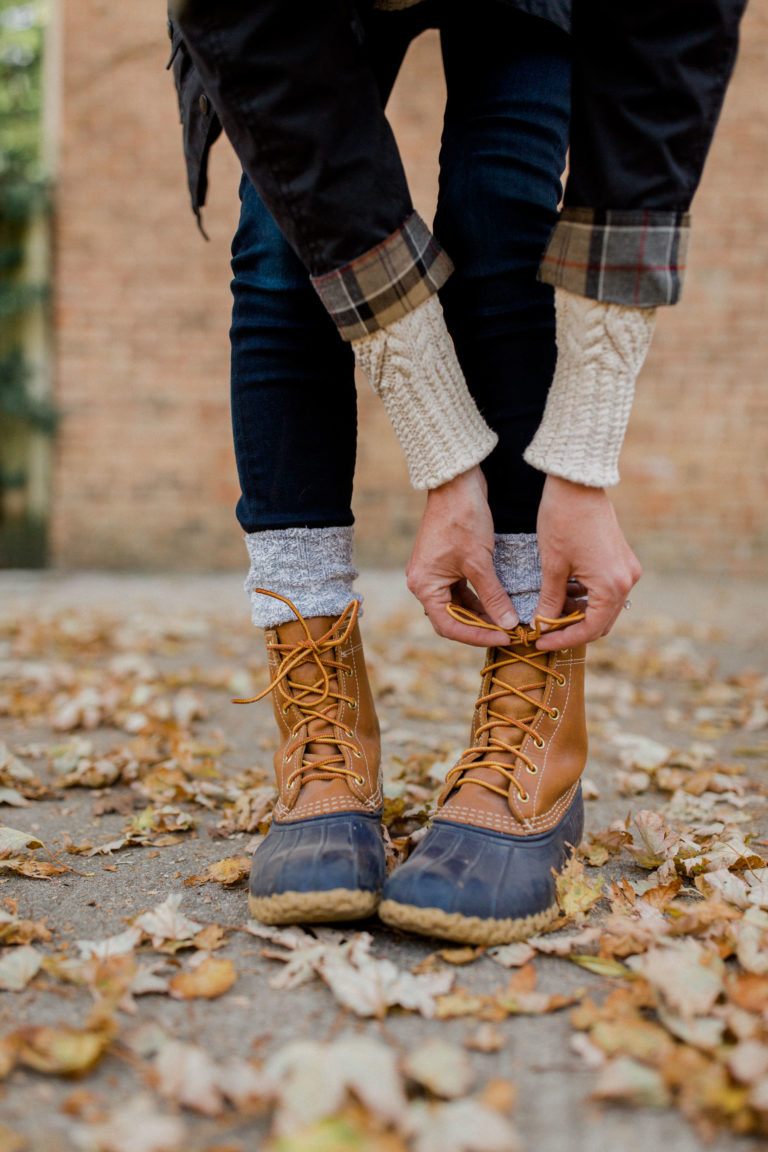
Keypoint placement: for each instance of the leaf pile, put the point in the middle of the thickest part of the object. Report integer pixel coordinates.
(664, 911)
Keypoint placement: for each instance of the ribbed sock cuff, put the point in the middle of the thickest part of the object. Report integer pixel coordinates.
(518, 566)
(312, 567)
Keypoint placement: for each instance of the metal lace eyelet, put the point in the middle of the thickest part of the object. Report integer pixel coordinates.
(286, 708)
(532, 769)
(561, 681)
(353, 704)
(555, 714)
(359, 780)
(538, 742)
(290, 785)
(358, 754)
(524, 798)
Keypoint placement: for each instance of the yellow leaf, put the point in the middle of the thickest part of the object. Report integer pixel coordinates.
(641, 1039)
(459, 956)
(211, 938)
(575, 893)
(351, 1130)
(458, 1003)
(601, 966)
(500, 1095)
(59, 1050)
(595, 854)
(213, 977)
(231, 870)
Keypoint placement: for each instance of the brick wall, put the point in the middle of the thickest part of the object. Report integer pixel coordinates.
(144, 471)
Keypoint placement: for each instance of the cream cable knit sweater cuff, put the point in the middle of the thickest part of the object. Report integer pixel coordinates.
(412, 366)
(600, 351)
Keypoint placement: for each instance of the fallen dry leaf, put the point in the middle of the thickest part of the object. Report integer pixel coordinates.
(358, 980)
(18, 967)
(187, 1074)
(460, 956)
(459, 1126)
(564, 943)
(511, 955)
(656, 842)
(135, 1126)
(17, 931)
(576, 894)
(120, 945)
(34, 869)
(167, 923)
(212, 977)
(628, 1081)
(312, 1081)
(486, 1038)
(13, 841)
(440, 1067)
(59, 1050)
(227, 872)
(688, 977)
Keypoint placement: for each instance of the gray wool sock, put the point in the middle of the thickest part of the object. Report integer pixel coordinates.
(518, 566)
(312, 567)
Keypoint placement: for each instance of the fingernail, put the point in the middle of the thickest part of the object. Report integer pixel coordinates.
(508, 621)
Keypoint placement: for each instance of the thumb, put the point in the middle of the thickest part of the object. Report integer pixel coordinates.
(554, 588)
(495, 601)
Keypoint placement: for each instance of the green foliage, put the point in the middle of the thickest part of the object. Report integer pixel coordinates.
(24, 197)
(21, 55)
(16, 401)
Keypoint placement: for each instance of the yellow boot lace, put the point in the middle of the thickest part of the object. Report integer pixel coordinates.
(316, 701)
(519, 727)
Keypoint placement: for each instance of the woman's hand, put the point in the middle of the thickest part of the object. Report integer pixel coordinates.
(454, 547)
(580, 540)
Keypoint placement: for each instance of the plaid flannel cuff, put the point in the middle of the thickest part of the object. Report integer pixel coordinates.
(385, 283)
(628, 257)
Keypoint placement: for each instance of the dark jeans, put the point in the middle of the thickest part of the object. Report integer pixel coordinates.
(505, 136)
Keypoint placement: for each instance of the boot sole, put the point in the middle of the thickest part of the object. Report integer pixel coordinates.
(313, 907)
(464, 929)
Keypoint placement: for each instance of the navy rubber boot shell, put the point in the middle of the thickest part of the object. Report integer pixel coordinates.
(321, 868)
(478, 886)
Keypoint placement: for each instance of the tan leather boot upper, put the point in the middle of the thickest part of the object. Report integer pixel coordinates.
(329, 757)
(529, 741)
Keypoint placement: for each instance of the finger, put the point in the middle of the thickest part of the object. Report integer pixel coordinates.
(597, 621)
(443, 623)
(464, 595)
(495, 602)
(451, 629)
(554, 588)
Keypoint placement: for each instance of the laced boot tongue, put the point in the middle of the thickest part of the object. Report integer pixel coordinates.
(526, 679)
(308, 674)
(502, 670)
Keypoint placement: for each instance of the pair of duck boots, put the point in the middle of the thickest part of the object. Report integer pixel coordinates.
(508, 818)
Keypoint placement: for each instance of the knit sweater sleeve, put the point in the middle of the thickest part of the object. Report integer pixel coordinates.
(411, 365)
(600, 350)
